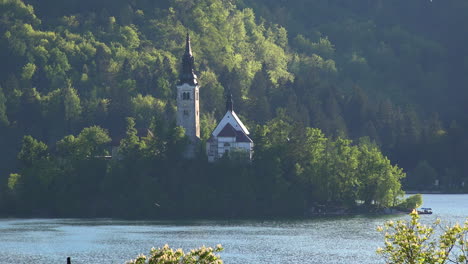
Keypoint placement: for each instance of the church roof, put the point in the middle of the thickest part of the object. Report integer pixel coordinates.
(187, 75)
(229, 131)
(242, 137)
(241, 125)
(230, 118)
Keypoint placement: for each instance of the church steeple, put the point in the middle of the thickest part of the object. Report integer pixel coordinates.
(188, 101)
(229, 102)
(188, 47)
(187, 75)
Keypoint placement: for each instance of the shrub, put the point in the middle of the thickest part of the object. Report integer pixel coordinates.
(413, 243)
(410, 203)
(167, 255)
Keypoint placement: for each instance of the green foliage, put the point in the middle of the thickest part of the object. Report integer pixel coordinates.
(309, 79)
(32, 151)
(207, 125)
(212, 93)
(17, 8)
(333, 170)
(72, 104)
(28, 71)
(381, 179)
(423, 175)
(145, 108)
(3, 113)
(294, 167)
(167, 255)
(129, 37)
(413, 242)
(131, 146)
(323, 47)
(13, 181)
(411, 203)
(91, 141)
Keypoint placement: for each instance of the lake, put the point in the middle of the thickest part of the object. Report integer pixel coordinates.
(321, 240)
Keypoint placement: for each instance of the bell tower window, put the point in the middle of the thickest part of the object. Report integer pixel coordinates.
(186, 96)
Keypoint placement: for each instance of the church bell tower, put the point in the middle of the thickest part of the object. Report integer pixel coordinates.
(188, 100)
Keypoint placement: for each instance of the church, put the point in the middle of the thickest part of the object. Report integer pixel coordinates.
(230, 135)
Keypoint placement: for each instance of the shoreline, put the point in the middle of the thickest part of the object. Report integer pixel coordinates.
(432, 192)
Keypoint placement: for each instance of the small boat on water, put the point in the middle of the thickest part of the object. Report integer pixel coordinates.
(425, 211)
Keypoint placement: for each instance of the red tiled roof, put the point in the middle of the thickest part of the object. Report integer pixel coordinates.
(242, 137)
(227, 131)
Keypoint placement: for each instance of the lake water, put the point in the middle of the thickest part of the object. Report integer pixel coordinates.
(323, 240)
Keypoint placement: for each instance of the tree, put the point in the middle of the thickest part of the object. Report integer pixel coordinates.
(37, 173)
(32, 151)
(167, 255)
(92, 141)
(258, 93)
(411, 203)
(341, 171)
(3, 111)
(28, 71)
(177, 141)
(131, 146)
(424, 175)
(211, 93)
(379, 179)
(71, 102)
(146, 108)
(410, 242)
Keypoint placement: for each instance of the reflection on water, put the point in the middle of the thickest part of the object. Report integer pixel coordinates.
(324, 240)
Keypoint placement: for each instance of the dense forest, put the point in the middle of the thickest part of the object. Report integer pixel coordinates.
(328, 88)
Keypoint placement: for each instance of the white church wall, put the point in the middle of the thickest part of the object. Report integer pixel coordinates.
(226, 139)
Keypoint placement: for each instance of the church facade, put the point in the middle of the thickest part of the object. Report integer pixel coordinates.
(230, 135)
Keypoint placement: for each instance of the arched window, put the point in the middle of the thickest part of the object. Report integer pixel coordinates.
(186, 96)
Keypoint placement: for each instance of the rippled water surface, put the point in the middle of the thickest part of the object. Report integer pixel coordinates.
(324, 240)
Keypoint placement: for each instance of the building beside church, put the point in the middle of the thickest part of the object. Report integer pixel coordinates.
(230, 135)
(188, 101)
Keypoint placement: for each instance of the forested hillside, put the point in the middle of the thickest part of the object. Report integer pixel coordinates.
(402, 75)
(394, 72)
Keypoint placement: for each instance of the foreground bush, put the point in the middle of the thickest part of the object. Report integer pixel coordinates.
(167, 255)
(410, 242)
